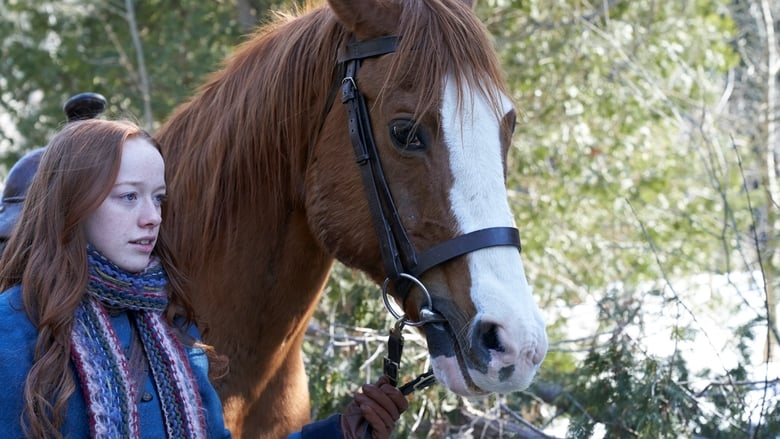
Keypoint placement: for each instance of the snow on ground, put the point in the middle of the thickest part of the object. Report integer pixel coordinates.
(707, 310)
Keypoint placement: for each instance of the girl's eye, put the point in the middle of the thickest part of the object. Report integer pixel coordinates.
(160, 199)
(129, 197)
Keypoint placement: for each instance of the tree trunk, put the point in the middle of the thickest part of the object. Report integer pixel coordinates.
(769, 254)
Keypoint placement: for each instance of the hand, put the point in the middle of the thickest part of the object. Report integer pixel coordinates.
(378, 407)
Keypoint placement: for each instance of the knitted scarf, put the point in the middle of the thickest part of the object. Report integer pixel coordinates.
(102, 364)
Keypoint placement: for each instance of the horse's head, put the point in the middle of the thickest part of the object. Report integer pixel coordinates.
(442, 124)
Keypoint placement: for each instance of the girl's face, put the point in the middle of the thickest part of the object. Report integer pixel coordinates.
(124, 227)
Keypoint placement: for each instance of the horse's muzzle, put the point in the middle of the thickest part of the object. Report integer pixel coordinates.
(487, 355)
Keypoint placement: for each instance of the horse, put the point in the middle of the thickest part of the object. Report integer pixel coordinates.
(374, 133)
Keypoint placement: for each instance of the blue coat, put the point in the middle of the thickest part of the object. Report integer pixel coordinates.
(17, 344)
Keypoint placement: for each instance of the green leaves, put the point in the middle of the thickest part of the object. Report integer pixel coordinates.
(53, 50)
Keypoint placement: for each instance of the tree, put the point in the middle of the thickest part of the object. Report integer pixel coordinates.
(755, 97)
(144, 57)
(625, 156)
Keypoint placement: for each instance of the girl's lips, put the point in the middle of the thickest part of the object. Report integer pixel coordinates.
(145, 245)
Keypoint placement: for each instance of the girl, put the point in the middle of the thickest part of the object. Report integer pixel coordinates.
(97, 333)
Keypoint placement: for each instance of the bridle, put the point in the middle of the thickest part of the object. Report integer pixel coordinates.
(403, 265)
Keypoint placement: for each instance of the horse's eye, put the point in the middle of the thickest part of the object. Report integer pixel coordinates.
(403, 133)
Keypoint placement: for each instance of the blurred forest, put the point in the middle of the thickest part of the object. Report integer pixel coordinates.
(643, 176)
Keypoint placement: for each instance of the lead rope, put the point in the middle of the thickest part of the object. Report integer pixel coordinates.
(392, 363)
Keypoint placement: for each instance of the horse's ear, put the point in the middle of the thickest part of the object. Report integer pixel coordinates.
(367, 18)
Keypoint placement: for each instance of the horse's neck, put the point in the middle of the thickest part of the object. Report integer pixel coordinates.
(258, 270)
(265, 286)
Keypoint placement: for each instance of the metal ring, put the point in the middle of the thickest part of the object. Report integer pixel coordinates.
(349, 79)
(403, 316)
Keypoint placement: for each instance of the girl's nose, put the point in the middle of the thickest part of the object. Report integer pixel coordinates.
(151, 215)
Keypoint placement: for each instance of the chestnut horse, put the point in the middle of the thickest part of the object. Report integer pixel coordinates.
(265, 193)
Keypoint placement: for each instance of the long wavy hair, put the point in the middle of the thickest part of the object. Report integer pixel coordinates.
(46, 254)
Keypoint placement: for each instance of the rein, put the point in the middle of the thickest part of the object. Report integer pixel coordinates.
(403, 265)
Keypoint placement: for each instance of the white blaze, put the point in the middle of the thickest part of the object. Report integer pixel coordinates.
(478, 197)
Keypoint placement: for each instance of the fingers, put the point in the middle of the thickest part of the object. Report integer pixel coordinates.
(380, 396)
(395, 396)
(380, 428)
(381, 405)
(375, 413)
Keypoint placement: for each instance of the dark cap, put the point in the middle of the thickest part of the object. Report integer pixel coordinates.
(78, 107)
(16, 185)
(82, 106)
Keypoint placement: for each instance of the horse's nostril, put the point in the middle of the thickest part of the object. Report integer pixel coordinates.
(537, 355)
(506, 350)
(490, 337)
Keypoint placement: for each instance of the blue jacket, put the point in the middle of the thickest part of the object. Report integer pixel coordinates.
(17, 344)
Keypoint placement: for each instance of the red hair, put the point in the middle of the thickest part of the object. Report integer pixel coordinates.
(46, 254)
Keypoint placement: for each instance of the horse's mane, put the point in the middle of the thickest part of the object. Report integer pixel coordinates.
(426, 58)
(235, 150)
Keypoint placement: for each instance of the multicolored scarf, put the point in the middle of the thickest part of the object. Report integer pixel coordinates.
(102, 365)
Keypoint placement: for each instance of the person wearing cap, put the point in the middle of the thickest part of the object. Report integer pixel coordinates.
(80, 106)
(15, 191)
